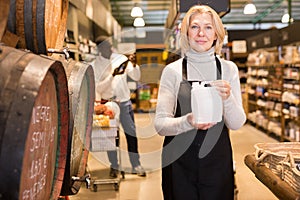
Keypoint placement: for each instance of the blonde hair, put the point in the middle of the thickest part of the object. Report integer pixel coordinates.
(216, 22)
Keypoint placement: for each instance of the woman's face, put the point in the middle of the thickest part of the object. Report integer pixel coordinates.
(201, 33)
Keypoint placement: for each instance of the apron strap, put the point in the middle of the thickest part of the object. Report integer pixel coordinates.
(219, 68)
(184, 68)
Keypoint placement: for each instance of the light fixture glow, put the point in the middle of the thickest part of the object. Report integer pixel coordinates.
(249, 9)
(285, 18)
(139, 22)
(136, 12)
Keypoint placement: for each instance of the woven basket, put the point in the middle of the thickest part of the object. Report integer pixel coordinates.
(290, 173)
(103, 139)
(103, 144)
(272, 154)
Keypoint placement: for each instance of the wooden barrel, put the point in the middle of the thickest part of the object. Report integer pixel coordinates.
(34, 121)
(40, 24)
(4, 10)
(81, 84)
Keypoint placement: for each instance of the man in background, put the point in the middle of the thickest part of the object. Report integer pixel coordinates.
(121, 91)
(112, 81)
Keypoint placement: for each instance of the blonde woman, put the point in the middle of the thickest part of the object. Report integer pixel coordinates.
(197, 158)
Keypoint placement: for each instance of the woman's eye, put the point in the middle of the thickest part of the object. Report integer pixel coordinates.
(195, 27)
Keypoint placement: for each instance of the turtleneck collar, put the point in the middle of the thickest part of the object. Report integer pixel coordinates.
(207, 56)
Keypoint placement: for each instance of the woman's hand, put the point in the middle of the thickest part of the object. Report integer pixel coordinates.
(223, 88)
(204, 126)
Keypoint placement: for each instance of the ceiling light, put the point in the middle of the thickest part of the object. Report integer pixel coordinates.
(139, 22)
(137, 12)
(249, 9)
(285, 18)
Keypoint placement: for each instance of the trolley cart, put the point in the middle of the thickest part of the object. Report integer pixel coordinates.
(105, 138)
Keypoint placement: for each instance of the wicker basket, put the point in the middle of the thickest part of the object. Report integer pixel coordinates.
(104, 139)
(290, 173)
(104, 132)
(103, 144)
(271, 154)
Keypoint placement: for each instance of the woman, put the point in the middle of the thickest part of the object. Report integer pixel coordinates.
(197, 158)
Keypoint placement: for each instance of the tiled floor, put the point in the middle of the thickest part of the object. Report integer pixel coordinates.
(148, 188)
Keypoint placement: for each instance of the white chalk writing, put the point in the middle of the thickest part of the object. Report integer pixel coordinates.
(38, 140)
(36, 188)
(42, 137)
(41, 114)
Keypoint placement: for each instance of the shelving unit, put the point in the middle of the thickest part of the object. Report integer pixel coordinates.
(257, 88)
(274, 103)
(273, 99)
(290, 100)
(273, 82)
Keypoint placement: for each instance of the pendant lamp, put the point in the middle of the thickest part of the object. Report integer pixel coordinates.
(136, 12)
(249, 9)
(139, 22)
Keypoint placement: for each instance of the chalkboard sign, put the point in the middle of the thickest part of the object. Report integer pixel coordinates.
(222, 7)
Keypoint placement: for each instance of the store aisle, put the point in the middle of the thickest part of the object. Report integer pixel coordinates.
(249, 187)
(148, 188)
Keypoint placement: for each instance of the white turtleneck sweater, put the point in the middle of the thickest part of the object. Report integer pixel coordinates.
(200, 66)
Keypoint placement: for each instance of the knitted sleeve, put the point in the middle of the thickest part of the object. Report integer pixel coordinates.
(234, 113)
(133, 72)
(165, 123)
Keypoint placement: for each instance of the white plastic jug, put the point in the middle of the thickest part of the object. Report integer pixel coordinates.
(206, 103)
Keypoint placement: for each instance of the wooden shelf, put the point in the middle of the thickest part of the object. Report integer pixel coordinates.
(275, 92)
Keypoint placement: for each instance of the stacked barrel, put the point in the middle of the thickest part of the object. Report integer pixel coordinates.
(46, 103)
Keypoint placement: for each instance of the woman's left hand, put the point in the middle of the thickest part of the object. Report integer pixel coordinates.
(223, 88)
(201, 126)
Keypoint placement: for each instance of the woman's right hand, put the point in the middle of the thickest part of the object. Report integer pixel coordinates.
(202, 126)
(223, 88)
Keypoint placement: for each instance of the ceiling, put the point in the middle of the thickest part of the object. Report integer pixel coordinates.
(269, 13)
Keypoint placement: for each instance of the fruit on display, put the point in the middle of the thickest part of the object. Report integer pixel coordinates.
(110, 113)
(101, 121)
(100, 109)
(102, 115)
